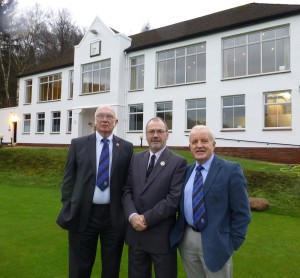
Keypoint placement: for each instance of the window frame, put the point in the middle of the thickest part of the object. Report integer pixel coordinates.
(232, 47)
(236, 124)
(69, 121)
(137, 82)
(28, 91)
(172, 65)
(285, 106)
(40, 122)
(89, 73)
(134, 116)
(197, 110)
(165, 113)
(26, 123)
(50, 87)
(71, 84)
(55, 121)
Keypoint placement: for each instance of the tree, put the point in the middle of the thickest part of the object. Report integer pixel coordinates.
(7, 44)
(146, 27)
(32, 38)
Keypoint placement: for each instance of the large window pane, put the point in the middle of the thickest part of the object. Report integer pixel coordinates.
(182, 65)
(96, 77)
(259, 52)
(278, 109)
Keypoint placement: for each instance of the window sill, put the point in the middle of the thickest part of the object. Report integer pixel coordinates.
(277, 128)
(233, 130)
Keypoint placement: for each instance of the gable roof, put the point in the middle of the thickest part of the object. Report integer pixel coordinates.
(244, 15)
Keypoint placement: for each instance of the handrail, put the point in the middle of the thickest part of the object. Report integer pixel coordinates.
(259, 142)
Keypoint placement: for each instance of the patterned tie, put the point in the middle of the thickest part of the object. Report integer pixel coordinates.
(199, 215)
(103, 168)
(151, 165)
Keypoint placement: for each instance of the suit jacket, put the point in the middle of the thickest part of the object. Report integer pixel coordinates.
(79, 182)
(227, 209)
(157, 199)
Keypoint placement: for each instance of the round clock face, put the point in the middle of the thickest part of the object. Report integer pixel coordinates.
(95, 49)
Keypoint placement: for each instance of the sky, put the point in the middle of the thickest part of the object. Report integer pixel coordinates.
(128, 17)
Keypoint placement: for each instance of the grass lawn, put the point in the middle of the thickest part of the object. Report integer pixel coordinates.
(32, 245)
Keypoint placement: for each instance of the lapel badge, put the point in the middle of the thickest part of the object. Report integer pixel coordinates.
(117, 144)
(162, 163)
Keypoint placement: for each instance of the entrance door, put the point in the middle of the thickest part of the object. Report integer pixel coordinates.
(15, 132)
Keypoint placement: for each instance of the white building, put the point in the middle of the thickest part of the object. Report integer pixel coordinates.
(237, 71)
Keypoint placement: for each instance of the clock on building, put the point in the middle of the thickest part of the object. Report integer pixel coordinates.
(95, 48)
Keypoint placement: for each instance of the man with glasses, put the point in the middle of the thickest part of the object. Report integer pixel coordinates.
(151, 198)
(92, 189)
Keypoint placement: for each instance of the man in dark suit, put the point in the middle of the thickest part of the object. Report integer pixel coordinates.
(150, 202)
(209, 232)
(91, 209)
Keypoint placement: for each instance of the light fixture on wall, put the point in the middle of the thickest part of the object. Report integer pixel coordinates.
(94, 31)
(13, 117)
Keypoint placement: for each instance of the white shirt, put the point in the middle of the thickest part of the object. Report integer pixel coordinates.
(102, 197)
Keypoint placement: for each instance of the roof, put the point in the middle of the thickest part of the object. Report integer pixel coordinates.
(244, 15)
(63, 61)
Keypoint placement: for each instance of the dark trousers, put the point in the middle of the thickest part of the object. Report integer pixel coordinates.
(83, 246)
(140, 264)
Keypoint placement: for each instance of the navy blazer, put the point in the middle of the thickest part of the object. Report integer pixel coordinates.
(79, 182)
(227, 209)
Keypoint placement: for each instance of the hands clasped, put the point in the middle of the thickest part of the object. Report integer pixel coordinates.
(138, 222)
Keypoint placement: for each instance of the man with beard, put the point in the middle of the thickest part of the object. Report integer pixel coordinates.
(151, 198)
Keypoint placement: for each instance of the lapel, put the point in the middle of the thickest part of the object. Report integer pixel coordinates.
(160, 165)
(143, 167)
(116, 142)
(212, 173)
(91, 145)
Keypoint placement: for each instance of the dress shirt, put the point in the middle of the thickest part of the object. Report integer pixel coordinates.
(188, 190)
(102, 197)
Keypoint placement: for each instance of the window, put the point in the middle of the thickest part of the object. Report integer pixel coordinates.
(278, 109)
(233, 111)
(71, 84)
(136, 117)
(96, 77)
(137, 73)
(26, 123)
(69, 121)
(28, 91)
(40, 127)
(164, 111)
(50, 87)
(181, 65)
(195, 112)
(257, 53)
(55, 127)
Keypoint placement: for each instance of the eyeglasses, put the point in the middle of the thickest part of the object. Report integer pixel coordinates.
(103, 116)
(159, 132)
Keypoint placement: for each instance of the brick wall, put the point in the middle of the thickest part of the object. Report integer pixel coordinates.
(279, 155)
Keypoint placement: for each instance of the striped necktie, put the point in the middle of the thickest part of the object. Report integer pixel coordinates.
(103, 168)
(199, 214)
(151, 166)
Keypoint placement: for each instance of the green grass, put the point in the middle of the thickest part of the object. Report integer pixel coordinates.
(32, 245)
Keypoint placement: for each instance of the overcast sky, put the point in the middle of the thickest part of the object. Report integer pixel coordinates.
(129, 16)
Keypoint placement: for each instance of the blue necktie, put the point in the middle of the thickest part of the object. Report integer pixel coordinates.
(199, 214)
(103, 168)
(151, 166)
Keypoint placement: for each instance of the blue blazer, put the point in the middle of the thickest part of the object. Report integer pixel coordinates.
(228, 213)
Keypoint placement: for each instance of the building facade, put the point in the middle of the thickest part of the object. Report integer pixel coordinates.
(236, 71)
